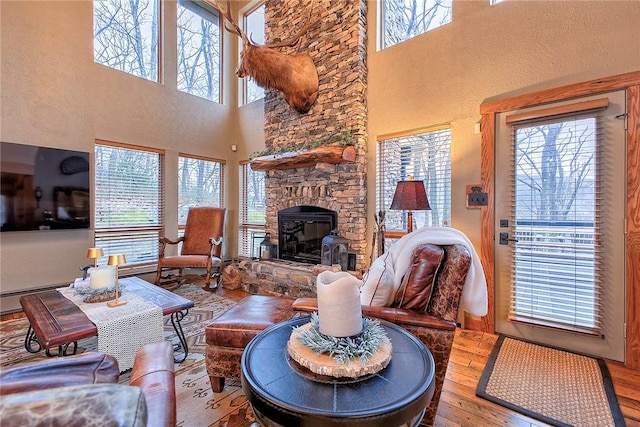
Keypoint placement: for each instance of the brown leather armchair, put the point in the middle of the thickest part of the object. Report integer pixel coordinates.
(84, 390)
(201, 246)
(426, 304)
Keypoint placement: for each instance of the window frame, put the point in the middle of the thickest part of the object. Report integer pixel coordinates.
(385, 189)
(246, 243)
(221, 200)
(209, 13)
(103, 235)
(576, 240)
(382, 26)
(244, 82)
(159, 5)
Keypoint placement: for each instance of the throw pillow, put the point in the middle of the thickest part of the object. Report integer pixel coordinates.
(377, 286)
(446, 295)
(418, 281)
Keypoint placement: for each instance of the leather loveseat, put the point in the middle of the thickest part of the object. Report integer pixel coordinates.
(83, 390)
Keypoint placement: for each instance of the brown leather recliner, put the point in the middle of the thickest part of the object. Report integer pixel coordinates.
(63, 391)
(426, 304)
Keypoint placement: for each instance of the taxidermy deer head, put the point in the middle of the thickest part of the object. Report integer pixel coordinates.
(293, 75)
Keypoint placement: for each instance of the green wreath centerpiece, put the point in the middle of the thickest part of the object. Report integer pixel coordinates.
(100, 294)
(344, 350)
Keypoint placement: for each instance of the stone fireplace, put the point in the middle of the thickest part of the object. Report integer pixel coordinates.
(337, 45)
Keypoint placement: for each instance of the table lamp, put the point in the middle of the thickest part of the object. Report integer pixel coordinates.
(410, 196)
(95, 253)
(116, 260)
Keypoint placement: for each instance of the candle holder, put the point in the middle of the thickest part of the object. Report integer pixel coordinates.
(116, 260)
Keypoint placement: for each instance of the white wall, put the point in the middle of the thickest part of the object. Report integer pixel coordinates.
(53, 94)
(485, 53)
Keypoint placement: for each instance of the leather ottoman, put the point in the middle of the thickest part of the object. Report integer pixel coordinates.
(229, 334)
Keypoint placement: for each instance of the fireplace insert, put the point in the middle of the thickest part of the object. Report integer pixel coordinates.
(301, 230)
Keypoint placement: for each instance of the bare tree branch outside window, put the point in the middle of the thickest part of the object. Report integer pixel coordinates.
(254, 26)
(199, 54)
(404, 19)
(125, 36)
(199, 184)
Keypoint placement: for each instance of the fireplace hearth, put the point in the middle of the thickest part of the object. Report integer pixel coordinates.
(301, 230)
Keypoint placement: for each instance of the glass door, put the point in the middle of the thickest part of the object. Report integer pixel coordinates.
(560, 206)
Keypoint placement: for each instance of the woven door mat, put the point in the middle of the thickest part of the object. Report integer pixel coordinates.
(551, 385)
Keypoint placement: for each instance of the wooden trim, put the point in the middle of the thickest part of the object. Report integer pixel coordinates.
(487, 219)
(630, 82)
(394, 234)
(130, 146)
(412, 132)
(633, 227)
(206, 159)
(562, 93)
(578, 107)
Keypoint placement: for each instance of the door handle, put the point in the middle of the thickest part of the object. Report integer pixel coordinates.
(504, 239)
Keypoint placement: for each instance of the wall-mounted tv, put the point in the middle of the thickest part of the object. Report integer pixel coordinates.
(43, 188)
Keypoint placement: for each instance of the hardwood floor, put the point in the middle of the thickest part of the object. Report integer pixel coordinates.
(459, 405)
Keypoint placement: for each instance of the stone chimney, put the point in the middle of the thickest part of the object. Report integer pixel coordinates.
(337, 45)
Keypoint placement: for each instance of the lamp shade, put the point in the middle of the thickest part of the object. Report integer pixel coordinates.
(117, 259)
(95, 253)
(410, 196)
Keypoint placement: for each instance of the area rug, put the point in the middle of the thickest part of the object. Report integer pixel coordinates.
(551, 385)
(197, 405)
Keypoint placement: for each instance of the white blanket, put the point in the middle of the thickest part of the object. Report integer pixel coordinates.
(474, 294)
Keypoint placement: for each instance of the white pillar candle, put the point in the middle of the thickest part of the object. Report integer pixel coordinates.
(339, 310)
(102, 277)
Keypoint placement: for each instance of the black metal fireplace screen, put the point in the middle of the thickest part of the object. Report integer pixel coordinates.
(301, 230)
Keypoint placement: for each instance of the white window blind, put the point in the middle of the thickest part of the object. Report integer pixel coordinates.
(556, 209)
(200, 183)
(424, 156)
(253, 210)
(129, 205)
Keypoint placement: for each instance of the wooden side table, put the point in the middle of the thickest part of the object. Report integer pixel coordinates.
(283, 393)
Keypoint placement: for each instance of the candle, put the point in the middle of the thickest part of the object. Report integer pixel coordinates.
(102, 277)
(339, 310)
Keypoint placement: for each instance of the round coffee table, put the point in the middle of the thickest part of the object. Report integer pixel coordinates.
(283, 393)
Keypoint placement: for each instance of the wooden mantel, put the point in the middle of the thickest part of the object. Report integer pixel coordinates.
(332, 154)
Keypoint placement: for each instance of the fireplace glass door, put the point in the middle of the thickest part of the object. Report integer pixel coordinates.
(301, 230)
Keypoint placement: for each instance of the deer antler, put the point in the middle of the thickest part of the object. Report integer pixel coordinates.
(228, 19)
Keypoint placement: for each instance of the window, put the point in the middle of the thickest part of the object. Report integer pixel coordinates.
(125, 36)
(253, 210)
(254, 26)
(129, 205)
(404, 19)
(199, 49)
(424, 156)
(555, 264)
(200, 183)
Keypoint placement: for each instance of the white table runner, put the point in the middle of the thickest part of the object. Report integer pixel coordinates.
(124, 329)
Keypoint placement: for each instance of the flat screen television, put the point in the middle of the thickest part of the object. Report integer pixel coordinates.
(43, 188)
